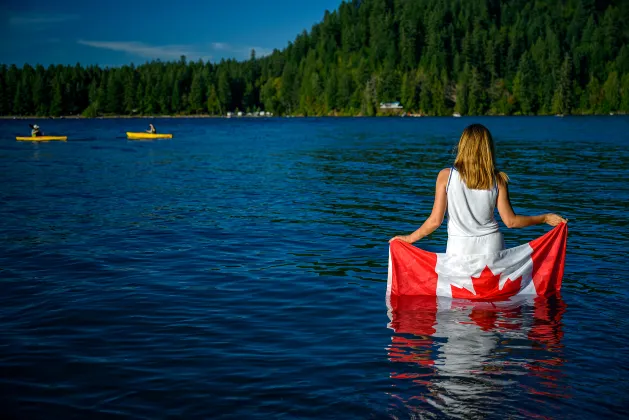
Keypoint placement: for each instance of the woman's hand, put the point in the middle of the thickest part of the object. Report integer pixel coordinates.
(405, 238)
(554, 219)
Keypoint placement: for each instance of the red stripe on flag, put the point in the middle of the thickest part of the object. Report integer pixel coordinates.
(412, 270)
(549, 257)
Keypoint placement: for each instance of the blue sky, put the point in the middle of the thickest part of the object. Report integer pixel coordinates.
(116, 32)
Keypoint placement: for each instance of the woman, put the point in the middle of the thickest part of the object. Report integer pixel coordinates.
(151, 129)
(470, 191)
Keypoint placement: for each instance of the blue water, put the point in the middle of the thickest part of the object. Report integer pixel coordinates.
(239, 271)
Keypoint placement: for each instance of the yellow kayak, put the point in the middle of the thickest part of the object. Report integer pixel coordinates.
(42, 138)
(142, 136)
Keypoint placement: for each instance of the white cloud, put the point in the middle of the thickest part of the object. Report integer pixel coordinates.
(221, 46)
(39, 21)
(140, 49)
(173, 52)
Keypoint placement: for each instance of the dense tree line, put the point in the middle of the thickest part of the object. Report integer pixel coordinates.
(474, 57)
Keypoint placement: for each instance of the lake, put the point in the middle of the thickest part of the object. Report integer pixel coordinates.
(239, 271)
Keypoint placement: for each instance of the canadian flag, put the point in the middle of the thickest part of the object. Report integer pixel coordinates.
(532, 269)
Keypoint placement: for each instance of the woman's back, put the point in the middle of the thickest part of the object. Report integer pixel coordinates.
(472, 228)
(470, 212)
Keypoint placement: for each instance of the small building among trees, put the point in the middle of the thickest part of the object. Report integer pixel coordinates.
(391, 108)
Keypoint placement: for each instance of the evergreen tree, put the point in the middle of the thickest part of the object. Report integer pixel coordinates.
(611, 92)
(176, 98)
(290, 88)
(269, 95)
(331, 91)
(130, 104)
(12, 80)
(622, 61)
(370, 99)
(477, 99)
(139, 97)
(4, 103)
(409, 94)
(101, 96)
(18, 103)
(213, 103)
(40, 93)
(425, 96)
(26, 94)
(224, 92)
(524, 86)
(462, 93)
(164, 94)
(114, 94)
(592, 97)
(149, 98)
(56, 106)
(345, 90)
(562, 100)
(624, 94)
(196, 97)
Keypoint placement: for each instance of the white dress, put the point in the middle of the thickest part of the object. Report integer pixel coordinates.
(472, 228)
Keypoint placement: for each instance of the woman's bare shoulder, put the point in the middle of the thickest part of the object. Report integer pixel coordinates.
(444, 173)
(443, 176)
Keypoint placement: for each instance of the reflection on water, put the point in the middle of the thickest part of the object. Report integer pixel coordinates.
(35, 151)
(460, 357)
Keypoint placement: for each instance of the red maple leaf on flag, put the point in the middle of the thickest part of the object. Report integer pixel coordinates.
(487, 287)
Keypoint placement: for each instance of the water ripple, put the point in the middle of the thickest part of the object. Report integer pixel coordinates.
(238, 270)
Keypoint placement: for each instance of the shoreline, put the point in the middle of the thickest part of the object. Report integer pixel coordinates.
(104, 117)
(207, 116)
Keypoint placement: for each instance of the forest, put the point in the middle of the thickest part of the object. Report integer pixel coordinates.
(436, 57)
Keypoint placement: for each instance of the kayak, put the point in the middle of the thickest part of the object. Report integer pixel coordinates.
(42, 138)
(141, 136)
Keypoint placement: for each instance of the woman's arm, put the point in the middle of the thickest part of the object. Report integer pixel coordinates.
(438, 211)
(512, 220)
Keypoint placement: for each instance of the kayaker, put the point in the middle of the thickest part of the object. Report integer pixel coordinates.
(35, 131)
(151, 129)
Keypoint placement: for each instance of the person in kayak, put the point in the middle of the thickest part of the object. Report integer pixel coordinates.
(35, 131)
(470, 191)
(151, 129)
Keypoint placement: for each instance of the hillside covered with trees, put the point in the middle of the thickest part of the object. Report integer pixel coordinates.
(474, 57)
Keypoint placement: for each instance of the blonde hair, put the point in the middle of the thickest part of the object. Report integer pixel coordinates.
(475, 159)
